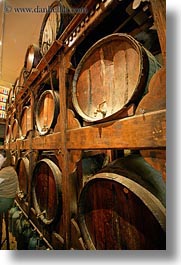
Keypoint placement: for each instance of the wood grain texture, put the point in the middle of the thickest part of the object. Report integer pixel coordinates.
(15, 130)
(159, 14)
(22, 170)
(155, 99)
(47, 111)
(126, 133)
(26, 121)
(156, 158)
(117, 213)
(46, 190)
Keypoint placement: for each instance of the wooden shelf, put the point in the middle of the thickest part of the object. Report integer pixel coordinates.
(122, 134)
(126, 133)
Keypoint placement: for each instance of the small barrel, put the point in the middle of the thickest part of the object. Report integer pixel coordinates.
(21, 80)
(32, 58)
(22, 169)
(25, 121)
(15, 130)
(8, 134)
(116, 213)
(17, 87)
(47, 111)
(113, 74)
(47, 191)
(11, 97)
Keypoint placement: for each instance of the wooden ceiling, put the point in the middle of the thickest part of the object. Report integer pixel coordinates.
(20, 23)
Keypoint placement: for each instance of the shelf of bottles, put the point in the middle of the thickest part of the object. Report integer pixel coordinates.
(3, 98)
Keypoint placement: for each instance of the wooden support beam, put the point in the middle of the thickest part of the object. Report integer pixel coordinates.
(159, 15)
(64, 152)
(138, 132)
(47, 142)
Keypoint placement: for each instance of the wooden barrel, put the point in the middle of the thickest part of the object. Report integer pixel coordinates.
(14, 159)
(46, 190)
(47, 111)
(113, 74)
(21, 80)
(22, 169)
(17, 88)
(54, 23)
(15, 130)
(135, 167)
(25, 121)
(117, 213)
(32, 57)
(10, 98)
(8, 134)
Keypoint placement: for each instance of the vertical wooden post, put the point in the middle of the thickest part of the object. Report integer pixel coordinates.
(159, 15)
(64, 151)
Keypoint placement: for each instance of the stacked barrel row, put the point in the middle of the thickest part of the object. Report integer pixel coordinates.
(119, 205)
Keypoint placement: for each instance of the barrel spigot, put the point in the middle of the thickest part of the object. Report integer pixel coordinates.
(101, 108)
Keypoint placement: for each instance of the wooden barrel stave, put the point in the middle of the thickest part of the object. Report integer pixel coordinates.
(135, 167)
(117, 213)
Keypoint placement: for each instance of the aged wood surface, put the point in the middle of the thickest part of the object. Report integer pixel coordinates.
(26, 121)
(126, 133)
(159, 14)
(155, 99)
(123, 134)
(156, 158)
(47, 190)
(64, 153)
(15, 130)
(117, 213)
(22, 170)
(47, 111)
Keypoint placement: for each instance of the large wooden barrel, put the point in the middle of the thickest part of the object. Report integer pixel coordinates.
(113, 74)
(32, 57)
(117, 213)
(22, 169)
(54, 23)
(135, 167)
(25, 121)
(46, 190)
(47, 111)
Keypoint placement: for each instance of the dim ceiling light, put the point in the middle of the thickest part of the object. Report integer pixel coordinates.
(0, 40)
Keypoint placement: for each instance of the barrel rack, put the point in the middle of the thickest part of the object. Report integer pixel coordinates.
(143, 129)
